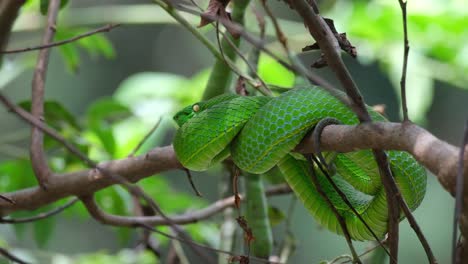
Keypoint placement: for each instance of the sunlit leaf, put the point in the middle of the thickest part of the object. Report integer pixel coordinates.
(274, 73)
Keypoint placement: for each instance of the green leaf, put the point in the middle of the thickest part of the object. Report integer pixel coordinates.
(43, 231)
(71, 56)
(114, 200)
(275, 215)
(274, 73)
(97, 44)
(55, 114)
(100, 117)
(16, 174)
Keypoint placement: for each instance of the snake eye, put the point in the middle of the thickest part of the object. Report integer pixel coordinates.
(196, 108)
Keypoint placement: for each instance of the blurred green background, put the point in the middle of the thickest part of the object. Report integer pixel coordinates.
(150, 67)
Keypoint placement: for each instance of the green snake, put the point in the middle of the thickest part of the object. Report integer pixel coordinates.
(259, 132)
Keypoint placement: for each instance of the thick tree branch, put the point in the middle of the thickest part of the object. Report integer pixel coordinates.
(436, 155)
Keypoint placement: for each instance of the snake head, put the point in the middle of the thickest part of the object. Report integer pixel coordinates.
(190, 111)
(186, 114)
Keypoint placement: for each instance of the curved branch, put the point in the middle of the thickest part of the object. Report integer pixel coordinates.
(36, 149)
(186, 218)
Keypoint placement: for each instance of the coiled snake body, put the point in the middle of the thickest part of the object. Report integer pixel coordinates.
(260, 132)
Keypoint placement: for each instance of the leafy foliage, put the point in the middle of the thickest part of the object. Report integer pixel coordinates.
(95, 45)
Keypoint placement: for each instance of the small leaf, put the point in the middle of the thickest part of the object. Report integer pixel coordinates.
(9, 171)
(275, 215)
(97, 44)
(43, 231)
(100, 116)
(71, 56)
(274, 73)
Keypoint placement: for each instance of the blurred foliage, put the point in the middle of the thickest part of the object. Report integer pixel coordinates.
(95, 45)
(437, 37)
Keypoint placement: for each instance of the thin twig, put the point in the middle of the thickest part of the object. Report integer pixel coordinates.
(190, 179)
(146, 241)
(114, 220)
(279, 33)
(182, 21)
(11, 257)
(340, 219)
(264, 90)
(105, 28)
(145, 138)
(377, 245)
(39, 216)
(37, 153)
(260, 44)
(415, 226)
(405, 61)
(459, 196)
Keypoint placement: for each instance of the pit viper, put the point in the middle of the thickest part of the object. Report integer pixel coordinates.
(260, 132)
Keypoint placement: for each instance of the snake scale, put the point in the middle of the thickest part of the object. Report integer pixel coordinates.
(260, 132)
